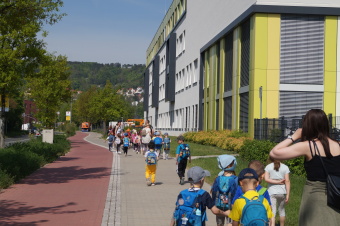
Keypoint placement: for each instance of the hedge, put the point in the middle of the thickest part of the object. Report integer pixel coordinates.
(21, 159)
(247, 148)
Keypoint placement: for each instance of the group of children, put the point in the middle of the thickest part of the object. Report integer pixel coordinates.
(234, 200)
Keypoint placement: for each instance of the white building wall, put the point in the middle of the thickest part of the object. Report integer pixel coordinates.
(202, 22)
(314, 3)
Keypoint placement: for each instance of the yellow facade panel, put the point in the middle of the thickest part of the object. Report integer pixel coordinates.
(272, 92)
(331, 31)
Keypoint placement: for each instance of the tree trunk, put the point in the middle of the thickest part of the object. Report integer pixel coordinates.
(104, 127)
(2, 121)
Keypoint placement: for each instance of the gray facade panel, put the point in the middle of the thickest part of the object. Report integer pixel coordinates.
(146, 91)
(296, 104)
(170, 78)
(302, 48)
(155, 82)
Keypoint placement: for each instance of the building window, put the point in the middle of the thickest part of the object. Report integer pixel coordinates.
(228, 80)
(244, 104)
(245, 53)
(302, 49)
(227, 123)
(296, 104)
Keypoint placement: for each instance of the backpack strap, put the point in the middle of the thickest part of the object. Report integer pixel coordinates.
(243, 197)
(262, 191)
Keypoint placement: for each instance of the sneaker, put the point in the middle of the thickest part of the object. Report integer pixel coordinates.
(153, 184)
(148, 182)
(182, 181)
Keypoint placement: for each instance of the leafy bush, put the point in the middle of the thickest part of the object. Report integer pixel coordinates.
(19, 163)
(70, 129)
(21, 159)
(5, 179)
(256, 149)
(259, 150)
(225, 139)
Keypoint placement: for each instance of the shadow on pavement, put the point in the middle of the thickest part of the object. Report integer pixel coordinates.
(10, 210)
(64, 175)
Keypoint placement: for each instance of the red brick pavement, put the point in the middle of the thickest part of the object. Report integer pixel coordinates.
(69, 191)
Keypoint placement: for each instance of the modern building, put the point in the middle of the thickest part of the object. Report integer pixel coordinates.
(222, 64)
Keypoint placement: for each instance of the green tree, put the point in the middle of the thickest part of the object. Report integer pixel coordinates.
(50, 88)
(100, 105)
(20, 49)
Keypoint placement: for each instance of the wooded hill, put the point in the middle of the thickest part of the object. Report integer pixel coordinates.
(86, 74)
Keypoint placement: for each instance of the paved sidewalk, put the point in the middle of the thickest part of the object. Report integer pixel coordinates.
(137, 203)
(92, 186)
(70, 191)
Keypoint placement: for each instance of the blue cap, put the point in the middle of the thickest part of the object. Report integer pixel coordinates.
(251, 174)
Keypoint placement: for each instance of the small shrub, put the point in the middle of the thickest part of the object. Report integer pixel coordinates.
(21, 159)
(225, 139)
(5, 179)
(256, 149)
(19, 163)
(259, 150)
(70, 129)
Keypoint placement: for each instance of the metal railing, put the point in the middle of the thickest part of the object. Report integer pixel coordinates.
(277, 129)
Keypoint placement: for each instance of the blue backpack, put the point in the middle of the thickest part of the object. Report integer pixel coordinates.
(151, 158)
(254, 213)
(225, 189)
(189, 209)
(126, 142)
(158, 141)
(184, 152)
(111, 137)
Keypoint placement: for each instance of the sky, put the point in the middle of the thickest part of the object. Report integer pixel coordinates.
(106, 31)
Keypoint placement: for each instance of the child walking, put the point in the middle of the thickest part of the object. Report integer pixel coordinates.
(126, 143)
(191, 203)
(225, 186)
(158, 142)
(182, 156)
(136, 143)
(151, 158)
(166, 146)
(256, 207)
(110, 140)
(118, 142)
(277, 177)
(259, 169)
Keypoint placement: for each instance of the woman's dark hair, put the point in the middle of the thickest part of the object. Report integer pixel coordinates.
(315, 125)
(277, 163)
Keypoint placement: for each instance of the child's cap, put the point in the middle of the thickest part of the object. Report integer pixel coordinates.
(225, 160)
(166, 134)
(180, 138)
(126, 134)
(157, 133)
(245, 171)
(196, 173)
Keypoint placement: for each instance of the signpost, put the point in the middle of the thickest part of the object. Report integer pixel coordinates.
(68, 115)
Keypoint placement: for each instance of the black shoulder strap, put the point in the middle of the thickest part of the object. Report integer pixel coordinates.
(317, 149)
(310, 148)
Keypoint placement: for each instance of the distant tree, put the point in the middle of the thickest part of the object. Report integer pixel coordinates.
(50, 88)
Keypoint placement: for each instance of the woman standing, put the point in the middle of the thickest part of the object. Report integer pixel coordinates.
(315, 130)
(277, 177)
